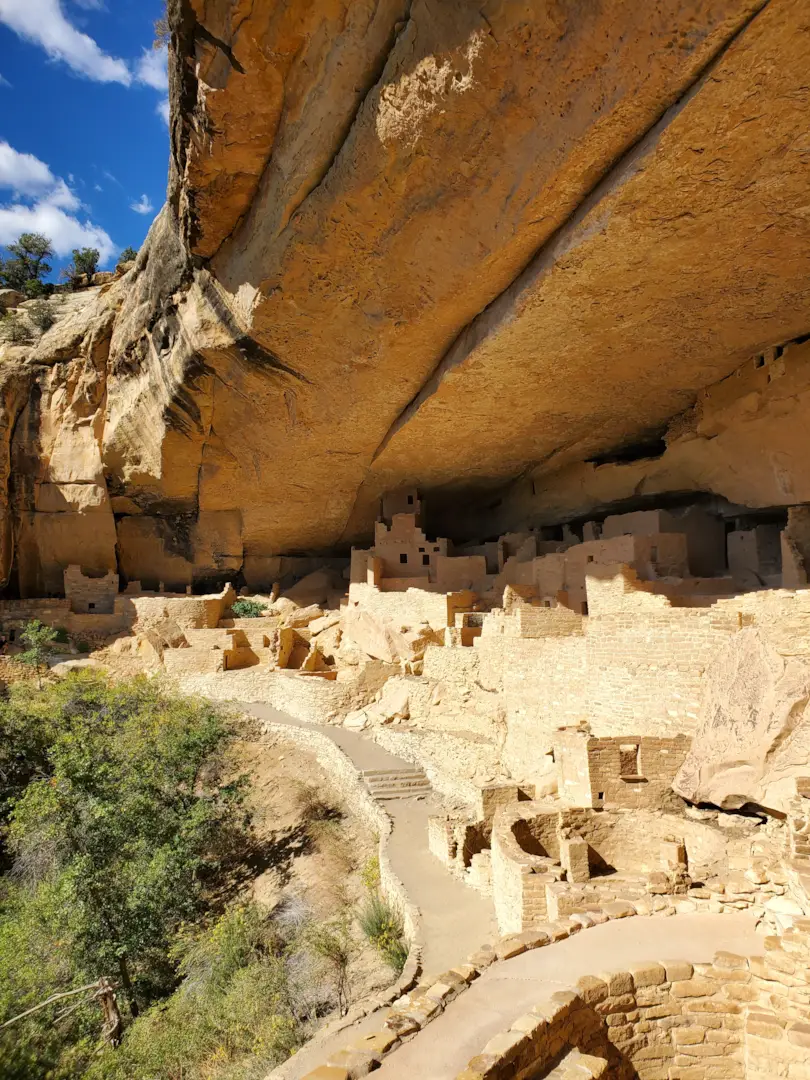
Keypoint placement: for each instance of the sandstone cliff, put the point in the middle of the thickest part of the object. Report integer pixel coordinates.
(442, 244)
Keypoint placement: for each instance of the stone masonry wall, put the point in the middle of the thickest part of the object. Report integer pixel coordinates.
(734, 1019)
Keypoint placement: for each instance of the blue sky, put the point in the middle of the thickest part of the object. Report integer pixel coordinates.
(84, 138)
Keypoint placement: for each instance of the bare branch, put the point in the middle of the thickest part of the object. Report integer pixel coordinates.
(49, 1001)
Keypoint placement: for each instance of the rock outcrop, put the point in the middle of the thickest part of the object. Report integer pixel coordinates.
(446, 245)
(753, 737)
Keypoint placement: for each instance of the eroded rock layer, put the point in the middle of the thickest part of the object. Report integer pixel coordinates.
(409, 243)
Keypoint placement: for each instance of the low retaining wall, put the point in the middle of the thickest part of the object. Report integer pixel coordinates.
(304, 697)
(735, 1019)
(357, 798)
(416, 1009)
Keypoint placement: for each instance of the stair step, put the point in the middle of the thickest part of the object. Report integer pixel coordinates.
(396, 794)
(380, 774)
(410, 782)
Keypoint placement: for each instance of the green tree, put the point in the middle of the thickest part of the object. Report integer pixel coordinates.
(85, 261)
(28, 262)
(39, 640)
(128, 826)
(129, 254)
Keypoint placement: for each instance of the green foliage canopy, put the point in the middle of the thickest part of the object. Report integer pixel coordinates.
(247, 609)
(39, 640)
(28, 262)
(117, 820)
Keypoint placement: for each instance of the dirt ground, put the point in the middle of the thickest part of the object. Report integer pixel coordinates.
(314, 851)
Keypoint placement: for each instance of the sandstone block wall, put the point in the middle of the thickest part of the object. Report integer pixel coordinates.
(737, 1018)
(623, 771)
(637, 663)
(90, 594)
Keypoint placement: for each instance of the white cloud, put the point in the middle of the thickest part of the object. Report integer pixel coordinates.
(142, 206)
(42, 202)
(153, 68)
(162, 109)
(66, 232)
(43, 22)
(62, 197)
(24, 173)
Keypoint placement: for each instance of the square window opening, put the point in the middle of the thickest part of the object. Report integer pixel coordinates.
(425, 560)
(403, 557)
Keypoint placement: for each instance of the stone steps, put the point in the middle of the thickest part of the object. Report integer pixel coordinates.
(386, 784)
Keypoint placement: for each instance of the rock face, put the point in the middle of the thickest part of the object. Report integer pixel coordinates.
(415, 243)
(753, 737)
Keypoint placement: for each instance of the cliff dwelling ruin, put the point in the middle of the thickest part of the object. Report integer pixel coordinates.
(471, 352)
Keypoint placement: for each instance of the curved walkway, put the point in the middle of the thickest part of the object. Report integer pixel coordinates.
(455, 919)
(508, 989)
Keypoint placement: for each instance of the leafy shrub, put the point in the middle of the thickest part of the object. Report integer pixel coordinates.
(60, 634)
(128, 255)
(332, 942)
(36, 290)
(370, 874)
(16, 330)
(382, 925)
(247, 609)
(251, 988)
(42, 315)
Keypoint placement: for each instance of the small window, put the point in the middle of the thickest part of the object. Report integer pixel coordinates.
(546, 603)
(91, 607)
(403, 557)
(410, 500)
(435, 549)
(590, 558)
(629, 763)
(600, 796)
(425, 560)
(584, 609)
(421, 549)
